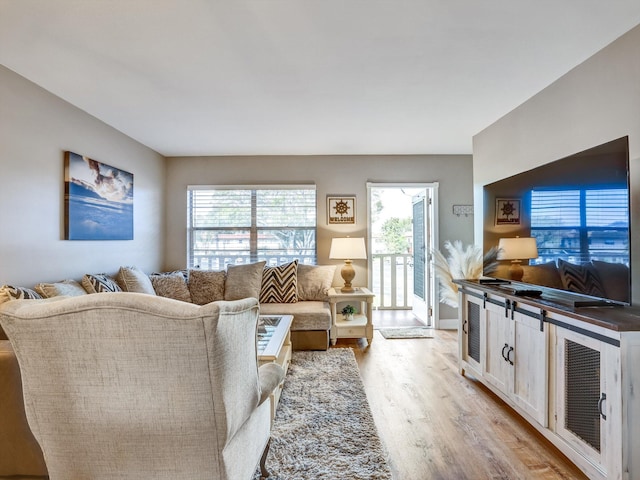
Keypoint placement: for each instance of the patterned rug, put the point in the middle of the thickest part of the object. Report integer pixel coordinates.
(323, 427)
(407, 332)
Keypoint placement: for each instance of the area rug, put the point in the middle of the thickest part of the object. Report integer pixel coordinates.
(407, 332)
(324, 428)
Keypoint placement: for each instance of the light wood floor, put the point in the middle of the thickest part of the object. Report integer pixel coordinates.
(437, 424)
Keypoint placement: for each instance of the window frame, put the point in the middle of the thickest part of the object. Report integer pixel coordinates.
(253, 253)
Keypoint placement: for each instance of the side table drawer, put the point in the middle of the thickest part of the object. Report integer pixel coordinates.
(352, 331)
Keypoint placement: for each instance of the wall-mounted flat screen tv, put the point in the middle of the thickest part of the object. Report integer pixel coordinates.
(577, 210)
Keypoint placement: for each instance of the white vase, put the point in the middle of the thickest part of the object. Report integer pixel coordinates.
(348, 316)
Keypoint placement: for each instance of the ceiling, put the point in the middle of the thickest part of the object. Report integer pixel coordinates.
(300, 77)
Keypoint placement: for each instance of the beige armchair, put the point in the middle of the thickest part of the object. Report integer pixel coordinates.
(131, 386)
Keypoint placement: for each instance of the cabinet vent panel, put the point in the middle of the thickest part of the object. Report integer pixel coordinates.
(473, 315)
(582, 383)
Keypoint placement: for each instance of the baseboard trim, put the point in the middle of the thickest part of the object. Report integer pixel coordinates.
(448, 324)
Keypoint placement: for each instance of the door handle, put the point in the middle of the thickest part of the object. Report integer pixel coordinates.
(464, 328)
(509, 355)
(603, 398)
(503, 355)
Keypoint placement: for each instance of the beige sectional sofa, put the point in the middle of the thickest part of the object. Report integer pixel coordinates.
(288, 289)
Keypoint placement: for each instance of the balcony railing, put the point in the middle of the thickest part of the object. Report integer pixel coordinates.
(392, 280)
(215, 262)
(392, 274)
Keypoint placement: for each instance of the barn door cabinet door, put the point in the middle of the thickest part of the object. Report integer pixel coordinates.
(471, 335)
(588, 399)
(517, 357)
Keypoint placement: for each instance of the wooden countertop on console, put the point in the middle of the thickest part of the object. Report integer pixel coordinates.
(619, 318)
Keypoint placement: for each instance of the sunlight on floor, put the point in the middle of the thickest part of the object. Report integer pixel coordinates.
(395, 318)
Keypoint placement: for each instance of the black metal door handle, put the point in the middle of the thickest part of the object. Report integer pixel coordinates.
(509, 356)
(603, 398)
(503, 355)
(464, 328)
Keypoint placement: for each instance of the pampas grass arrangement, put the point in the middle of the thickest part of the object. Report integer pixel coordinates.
(463, 263)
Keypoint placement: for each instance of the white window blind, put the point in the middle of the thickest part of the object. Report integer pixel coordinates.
(237, 225)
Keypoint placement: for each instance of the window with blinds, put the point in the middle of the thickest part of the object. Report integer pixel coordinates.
(581, 224)
(239, 225)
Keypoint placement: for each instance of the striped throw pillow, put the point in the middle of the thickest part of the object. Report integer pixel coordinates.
(100, 283)
(280, 284)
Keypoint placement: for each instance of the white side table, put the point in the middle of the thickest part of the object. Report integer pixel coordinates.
(362, 323)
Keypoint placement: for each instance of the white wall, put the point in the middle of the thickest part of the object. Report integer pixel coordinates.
(331, 175)
(596, 102)
(36, 128)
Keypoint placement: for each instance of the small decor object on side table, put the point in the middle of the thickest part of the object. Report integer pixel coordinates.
(348, 312)
(361, 325)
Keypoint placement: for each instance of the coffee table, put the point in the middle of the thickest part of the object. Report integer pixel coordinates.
(274, 345)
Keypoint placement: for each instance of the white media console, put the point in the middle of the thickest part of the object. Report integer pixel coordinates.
(572, 373)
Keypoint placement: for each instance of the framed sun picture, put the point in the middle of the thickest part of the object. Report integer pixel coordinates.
(98, 200)
(341, 209)
(507, 211)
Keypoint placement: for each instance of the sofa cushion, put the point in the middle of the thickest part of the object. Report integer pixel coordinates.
(314, 281)
(280, 284)
(67, 288)
(206, 286)
(132, 279)
(99, 283)
(171, 285)
(581, 278)
(243, 281)
(310, 315)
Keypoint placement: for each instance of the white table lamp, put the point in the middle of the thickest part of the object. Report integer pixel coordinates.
(348, 249)
(517, 249)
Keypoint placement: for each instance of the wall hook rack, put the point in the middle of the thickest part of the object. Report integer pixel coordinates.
(465, 210)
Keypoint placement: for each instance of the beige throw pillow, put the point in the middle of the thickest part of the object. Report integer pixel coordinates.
(314, 281)
(171, 285)
(134, 280)
(206, 286)
(243, 281)
(67, 288)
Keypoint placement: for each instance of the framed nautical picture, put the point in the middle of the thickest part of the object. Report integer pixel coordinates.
(507, 211)
(98, 200)
(341, 209)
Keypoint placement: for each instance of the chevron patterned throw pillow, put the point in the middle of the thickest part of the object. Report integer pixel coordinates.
(280, 284)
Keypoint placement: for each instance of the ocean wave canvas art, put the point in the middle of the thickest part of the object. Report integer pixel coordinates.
(98, 200)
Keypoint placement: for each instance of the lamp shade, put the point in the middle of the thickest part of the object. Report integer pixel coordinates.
(348, 249)
(518, 248)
